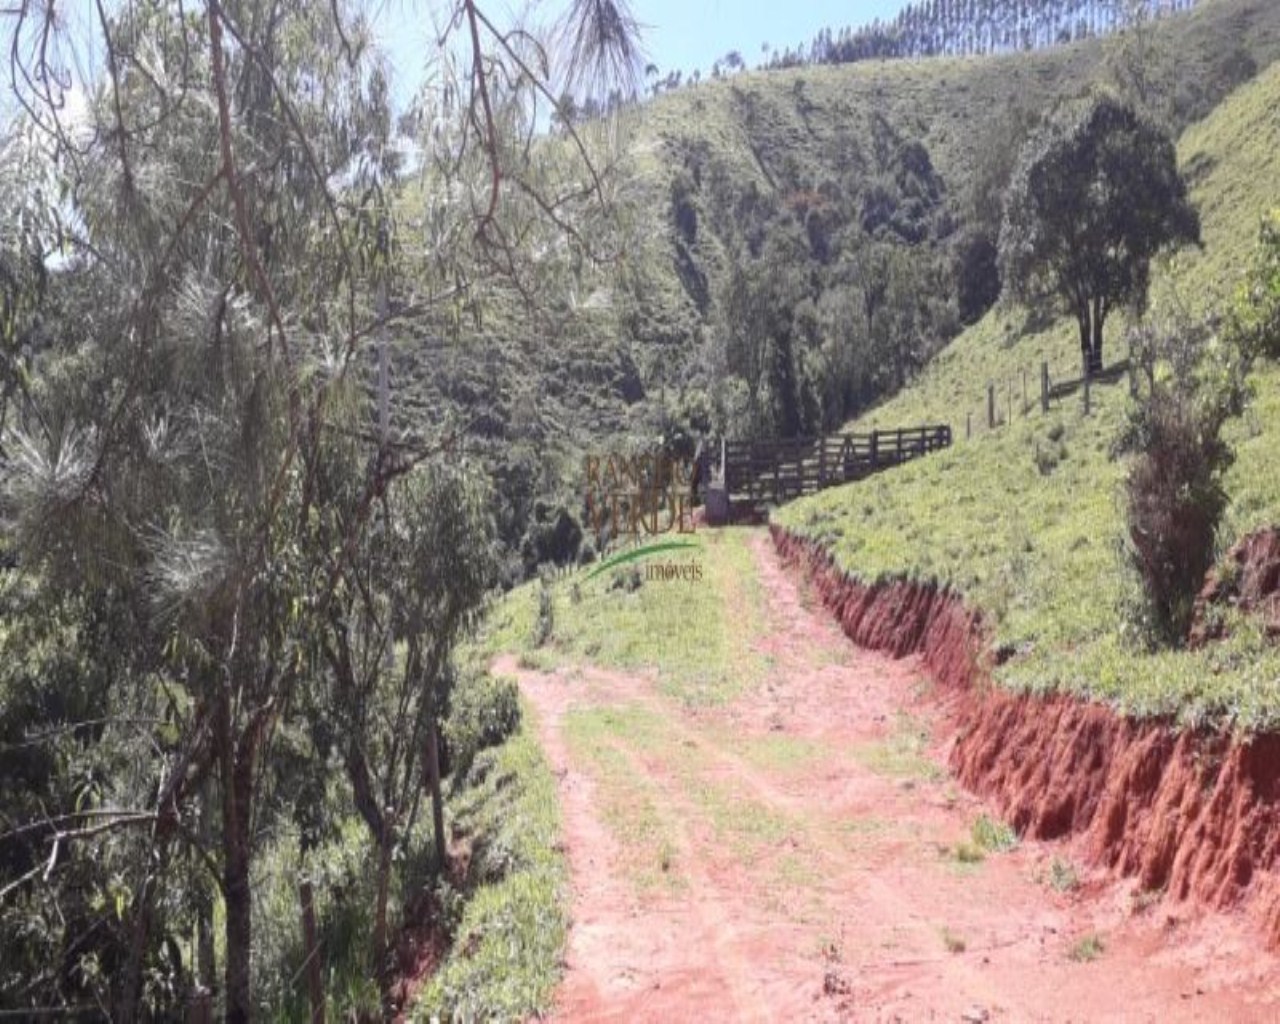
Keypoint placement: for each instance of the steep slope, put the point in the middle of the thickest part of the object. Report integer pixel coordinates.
(1024, 521)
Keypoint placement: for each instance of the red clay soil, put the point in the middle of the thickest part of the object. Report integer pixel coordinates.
(1195, 815)
(812, 870)
(1252, 584)
(419, 950)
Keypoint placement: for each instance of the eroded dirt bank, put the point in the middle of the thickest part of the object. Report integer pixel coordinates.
(1193, 815)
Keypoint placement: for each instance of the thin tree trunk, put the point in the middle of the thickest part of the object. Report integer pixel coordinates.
(1095, 355)
(1082, 320)
(380, 911)
(128, 1005)
(310, 940)
(237, 802)
(206, 959)
(433, 775)
(235, 884)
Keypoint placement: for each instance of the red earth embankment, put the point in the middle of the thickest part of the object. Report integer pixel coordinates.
(1193, 814)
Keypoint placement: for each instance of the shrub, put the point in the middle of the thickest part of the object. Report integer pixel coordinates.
(1253, 322)
(628, 580)
(1174, 490)
(1175, 499)
(484, 710)
(554, 536)
(977, 275)
(1049, 456)
(545, 624)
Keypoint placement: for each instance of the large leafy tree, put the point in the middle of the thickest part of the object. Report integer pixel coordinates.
(1095, 196)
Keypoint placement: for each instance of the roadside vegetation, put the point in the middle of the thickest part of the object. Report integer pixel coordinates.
(232, 592)
(507, 925)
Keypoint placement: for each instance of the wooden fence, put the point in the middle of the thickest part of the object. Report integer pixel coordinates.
(1014, 395)
(753, 474)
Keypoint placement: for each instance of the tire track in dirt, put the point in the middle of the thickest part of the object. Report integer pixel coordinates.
(814, 886)
(616, 973)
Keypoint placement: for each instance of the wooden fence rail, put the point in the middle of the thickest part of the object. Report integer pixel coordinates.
(755, 473)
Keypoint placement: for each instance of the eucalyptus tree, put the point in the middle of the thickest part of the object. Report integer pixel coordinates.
(408, 590)
(223, 212)
(28, 230)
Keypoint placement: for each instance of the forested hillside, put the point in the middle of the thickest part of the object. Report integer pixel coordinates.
(929, 28)
(798, 244)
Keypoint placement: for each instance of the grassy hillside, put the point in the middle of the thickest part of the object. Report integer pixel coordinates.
(786, 131)
(825, 184)
(1026, 520)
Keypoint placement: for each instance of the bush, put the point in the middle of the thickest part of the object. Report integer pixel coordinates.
(628, 580)
(977, 276)
(483, 711)
(1049, 456)
(1174, 490)
(554, 536)
(545, 624)
(1253, 322)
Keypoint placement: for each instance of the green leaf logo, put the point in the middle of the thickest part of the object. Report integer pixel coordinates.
(637, 553)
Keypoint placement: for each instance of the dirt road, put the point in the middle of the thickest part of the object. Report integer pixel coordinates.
(801, 854)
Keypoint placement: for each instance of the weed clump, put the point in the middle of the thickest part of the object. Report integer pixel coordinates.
(995, 836)
(1088, 948)
(1053, 451)
(627, 580)
(483, 711)
(1062, 876)
(953, 942)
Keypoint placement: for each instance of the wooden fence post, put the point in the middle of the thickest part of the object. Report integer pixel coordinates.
(991, 406)
(1044, 386)
(875, 450)
(1086, 394)
(968, 425)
